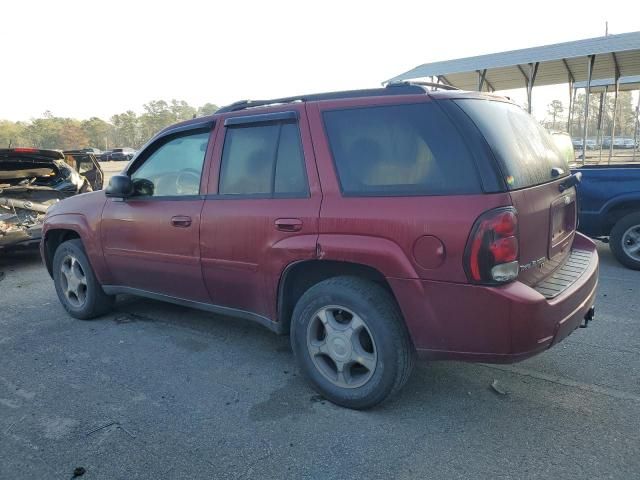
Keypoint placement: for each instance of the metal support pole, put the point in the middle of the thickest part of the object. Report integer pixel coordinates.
(531, 78)
(590, 61)
(613, 121)
(635, 129)
(603, 95)
(572, 111)
(615, 103)
(444, 80)
(571, 92)
(481, 77)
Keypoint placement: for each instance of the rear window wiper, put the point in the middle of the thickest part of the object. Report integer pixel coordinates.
(571, 181)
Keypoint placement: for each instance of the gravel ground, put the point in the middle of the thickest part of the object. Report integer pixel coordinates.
(160, 391)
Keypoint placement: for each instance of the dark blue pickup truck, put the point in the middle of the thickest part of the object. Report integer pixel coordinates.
(609, 203)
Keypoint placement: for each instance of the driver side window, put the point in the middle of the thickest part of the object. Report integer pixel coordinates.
(174, 169)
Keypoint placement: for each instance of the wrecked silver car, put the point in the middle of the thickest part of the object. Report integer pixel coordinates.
(31, 180)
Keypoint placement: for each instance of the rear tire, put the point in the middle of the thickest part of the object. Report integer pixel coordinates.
(76, 285)
(624, 241)
(350, 341)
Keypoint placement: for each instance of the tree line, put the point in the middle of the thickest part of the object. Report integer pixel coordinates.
(557, 113)
(130, 129)
(127, 129)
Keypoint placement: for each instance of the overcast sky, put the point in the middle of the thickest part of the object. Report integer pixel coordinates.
(100, 57)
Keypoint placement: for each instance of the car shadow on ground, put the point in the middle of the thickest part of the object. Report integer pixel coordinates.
(132, 309)
(432, 383)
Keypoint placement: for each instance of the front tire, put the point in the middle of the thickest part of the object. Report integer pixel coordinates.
(350, 341)
(624, 240)
(76, 285)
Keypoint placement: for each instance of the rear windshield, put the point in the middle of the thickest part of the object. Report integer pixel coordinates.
(17, 171)
(524, 149)
(399, 150)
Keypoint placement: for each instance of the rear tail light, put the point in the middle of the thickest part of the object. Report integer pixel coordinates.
(492, 252)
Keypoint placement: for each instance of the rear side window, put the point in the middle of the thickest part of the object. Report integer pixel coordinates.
(524, 149)
(399, 150)
(263, 160)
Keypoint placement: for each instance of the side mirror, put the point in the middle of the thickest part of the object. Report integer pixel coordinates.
(120, 186)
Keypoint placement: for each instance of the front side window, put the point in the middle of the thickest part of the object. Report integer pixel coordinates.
(174, 169)
(398, 150)
(263, 160)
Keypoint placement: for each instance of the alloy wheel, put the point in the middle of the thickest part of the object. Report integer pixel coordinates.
(73, 281)
(631, 242)
(341, 346)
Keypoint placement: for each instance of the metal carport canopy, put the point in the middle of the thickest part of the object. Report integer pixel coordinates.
(626, 84)
(556, 64)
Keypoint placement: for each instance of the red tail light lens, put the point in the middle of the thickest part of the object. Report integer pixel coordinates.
(25, 150)
(491, 256)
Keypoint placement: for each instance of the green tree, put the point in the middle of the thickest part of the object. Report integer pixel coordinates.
(71, 135)
(156, 116)
(181, 110)
(555, 109)
(207, 109)
(126, 129)
(12, 134)
(44, 132)
(99, 133)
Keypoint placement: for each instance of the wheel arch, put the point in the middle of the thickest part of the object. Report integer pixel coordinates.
(299, 276)
(52, 239)
(617, 208)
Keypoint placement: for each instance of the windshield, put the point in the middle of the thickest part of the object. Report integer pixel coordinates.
(524, 149)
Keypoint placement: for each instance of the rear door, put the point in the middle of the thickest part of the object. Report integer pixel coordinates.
(263, 208)
(533, 171)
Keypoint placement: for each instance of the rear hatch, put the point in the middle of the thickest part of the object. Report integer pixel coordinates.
(535, 172)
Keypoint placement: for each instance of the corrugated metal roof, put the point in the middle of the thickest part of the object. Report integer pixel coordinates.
(626, 83)
(507, 70)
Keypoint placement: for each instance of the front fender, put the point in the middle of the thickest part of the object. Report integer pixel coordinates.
(88, 233)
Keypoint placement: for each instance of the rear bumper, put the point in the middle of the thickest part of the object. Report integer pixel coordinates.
(494, 324)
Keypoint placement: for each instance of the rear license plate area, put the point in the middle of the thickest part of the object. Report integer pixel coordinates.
(562, 223)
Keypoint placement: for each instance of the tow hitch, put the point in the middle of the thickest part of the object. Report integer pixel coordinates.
(588, 317)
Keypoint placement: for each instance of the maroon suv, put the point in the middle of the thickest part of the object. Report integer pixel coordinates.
(372, 225)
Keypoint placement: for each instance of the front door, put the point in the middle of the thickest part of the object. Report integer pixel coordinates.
(151, 240)
(88, 167)
(264, 215)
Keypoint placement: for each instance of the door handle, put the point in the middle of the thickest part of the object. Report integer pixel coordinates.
(289, 224)
(181, 221)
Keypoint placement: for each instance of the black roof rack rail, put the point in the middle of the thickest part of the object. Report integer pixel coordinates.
(400, 88)
(434, 85)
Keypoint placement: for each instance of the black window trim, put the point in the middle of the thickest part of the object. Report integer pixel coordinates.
(173, 198)
(379, 193)
(289, 115)
(278, 119)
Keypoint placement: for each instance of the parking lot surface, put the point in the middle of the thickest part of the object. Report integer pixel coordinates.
(160, 391)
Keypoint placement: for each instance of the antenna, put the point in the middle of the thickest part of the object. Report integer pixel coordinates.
(606, 28)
